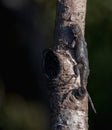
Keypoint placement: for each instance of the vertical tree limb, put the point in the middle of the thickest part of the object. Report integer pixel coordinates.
(69, 11)
(67, 69)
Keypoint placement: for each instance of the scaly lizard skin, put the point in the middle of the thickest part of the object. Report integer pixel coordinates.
(81, 55)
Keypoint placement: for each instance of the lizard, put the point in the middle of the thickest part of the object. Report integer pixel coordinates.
(81, 56)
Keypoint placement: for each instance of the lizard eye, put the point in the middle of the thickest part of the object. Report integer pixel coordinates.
(51, 65)
(75, 29)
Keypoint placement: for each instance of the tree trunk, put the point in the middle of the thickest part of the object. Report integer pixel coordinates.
(66, 80)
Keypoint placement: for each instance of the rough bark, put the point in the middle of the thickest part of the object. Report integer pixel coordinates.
(68, 105)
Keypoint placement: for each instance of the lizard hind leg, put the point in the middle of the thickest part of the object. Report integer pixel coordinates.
(76, 71)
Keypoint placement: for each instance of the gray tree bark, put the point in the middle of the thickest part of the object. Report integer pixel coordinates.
(67, 82)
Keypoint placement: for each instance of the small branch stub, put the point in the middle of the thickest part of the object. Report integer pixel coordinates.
(79, 93)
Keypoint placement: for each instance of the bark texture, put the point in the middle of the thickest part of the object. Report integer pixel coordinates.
(68, 105)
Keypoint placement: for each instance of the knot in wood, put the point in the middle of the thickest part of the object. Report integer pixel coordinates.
(51, 64)
(79, 93)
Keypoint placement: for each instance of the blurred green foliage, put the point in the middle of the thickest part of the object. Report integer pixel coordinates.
(18, 114)
(98, 36)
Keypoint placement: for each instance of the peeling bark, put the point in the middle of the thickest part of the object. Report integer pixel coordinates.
(68, 101)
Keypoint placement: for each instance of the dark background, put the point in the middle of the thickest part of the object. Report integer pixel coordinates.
(26, 29)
